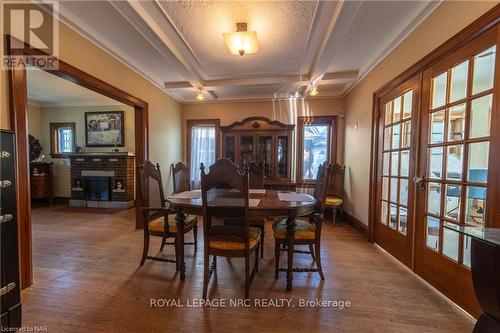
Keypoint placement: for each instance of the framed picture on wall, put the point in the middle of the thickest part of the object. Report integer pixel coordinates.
(104, 129)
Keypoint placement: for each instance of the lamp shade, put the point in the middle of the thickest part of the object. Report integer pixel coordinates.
(241, 42)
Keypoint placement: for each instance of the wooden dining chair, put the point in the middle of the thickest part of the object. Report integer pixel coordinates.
(307, 230)
(158, 220)
(181, 178)
(335, 197)
(224, 193)
(256, 181)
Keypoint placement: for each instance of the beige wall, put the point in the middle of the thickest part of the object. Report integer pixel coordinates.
(39, 120)
(285, 111)
(164, 112)
(448, 19)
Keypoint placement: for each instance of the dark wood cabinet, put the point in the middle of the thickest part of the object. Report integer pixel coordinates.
(41, 181)
(10, 302)
(261, 140)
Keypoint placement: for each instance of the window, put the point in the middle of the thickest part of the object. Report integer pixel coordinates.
(203, 146)
(62, 139)
(316, 145)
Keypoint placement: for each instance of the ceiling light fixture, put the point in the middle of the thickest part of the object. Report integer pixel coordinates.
(242, 41)
(314, 92)
(200, 96)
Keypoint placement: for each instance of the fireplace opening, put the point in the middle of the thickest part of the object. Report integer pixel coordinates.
(97, 188)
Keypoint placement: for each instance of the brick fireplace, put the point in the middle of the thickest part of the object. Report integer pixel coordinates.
(103, 180)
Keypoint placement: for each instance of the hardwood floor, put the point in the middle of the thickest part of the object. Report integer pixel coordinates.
(88, 279)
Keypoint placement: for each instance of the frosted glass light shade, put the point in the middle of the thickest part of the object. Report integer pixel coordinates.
(241, 42)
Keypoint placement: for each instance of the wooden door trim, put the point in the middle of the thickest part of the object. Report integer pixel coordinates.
(18, 105)
(475, 29)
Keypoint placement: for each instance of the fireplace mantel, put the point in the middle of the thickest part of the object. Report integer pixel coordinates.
(117, 167)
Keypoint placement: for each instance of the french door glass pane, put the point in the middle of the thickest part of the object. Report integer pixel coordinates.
(395, 163)
(435, 162)
(385, 164)
(396, 131)
(439, 90)
(432, 233)
(407, 103)
(385, 188)
(403, 212)
(396, 114)
(387, 138)
(454, 162)
(388, 113)
(475, 206)
(459, 81)
(450, 243)
(452, 202)
(405, 163)
(484, 70)
(477, 168)
(394, 190)
(437, 127)
(456, 122)
(383, 212)
(393, 216)
(405, 134)
(434, 198)
(480, 116)
(403, 192)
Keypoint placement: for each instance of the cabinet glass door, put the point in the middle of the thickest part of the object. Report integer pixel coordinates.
(282, 157)
(229, 148)
(265, 154)
(247, 149)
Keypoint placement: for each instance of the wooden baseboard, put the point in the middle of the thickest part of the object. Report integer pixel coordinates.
(356, 224)
(61, 200)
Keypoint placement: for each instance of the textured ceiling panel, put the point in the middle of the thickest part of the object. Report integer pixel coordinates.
(282, 27)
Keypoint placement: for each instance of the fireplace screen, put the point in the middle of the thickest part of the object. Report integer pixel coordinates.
(97, 188)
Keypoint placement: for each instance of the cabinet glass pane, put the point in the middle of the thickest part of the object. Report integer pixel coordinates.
(452, 203)
(484, 70)
(282, 158)
(265, 153)
(396, 113)
(480, 116)
(315, 149)
(466, 255)
(434, 198)
(459, 81)
(385, 163)
(396, 131)
(402, 220)
(395, 163)
(405, 163)
(407, 103)
(477, 168)
(435, 162)
(394, 190)
(403, 192)
(388, 113)
(456, 122)
(385, 188)
(229, 151)
(454, 162)
(393, 216)
(432, 233)
(383, 213)
(247, 149)
(475, 205)
(450, 243)
(437, 127)
(405, 134)
(387, 138)
(439, 90)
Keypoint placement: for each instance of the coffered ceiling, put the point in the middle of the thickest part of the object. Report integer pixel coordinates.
(179, 46)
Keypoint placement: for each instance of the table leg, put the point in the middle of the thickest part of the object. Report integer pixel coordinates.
(290, 235)
(180, 219)
(485, 269)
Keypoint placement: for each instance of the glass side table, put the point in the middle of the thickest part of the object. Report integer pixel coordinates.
(485, 269)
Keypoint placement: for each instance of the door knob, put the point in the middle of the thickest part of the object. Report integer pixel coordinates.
(420, 182)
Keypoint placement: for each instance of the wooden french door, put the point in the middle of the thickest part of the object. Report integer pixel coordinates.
(397, 121)
(458, 163)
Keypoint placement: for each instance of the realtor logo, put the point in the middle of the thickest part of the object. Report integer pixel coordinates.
(32, 34)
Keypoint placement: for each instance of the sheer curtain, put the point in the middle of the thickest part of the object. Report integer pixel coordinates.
(202, 151)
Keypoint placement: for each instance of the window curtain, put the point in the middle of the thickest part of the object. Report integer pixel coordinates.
(202, 151)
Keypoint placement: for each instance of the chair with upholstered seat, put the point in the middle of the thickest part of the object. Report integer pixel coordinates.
(335, 197)
(307, 230)
(158, 220)
(224, 193)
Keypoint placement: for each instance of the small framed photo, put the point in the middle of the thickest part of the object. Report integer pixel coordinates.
(105, 129)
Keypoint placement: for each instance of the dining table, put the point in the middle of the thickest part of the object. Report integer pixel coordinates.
(263, 203)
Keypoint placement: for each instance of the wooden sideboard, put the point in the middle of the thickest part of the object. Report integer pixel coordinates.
(41, 181)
